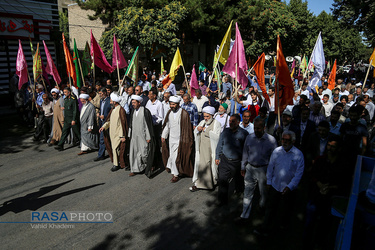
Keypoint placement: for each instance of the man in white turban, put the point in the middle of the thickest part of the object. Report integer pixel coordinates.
(89, 128)
(206, 136)
(114, 140)
(141, 134)
(178, 133)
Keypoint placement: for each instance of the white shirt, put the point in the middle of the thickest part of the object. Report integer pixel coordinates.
(306, 93)
(327, 108)
(249, 128)
(272, 105)
(172, 89)
(370, 108)
(285, 169)
(166, 108)
(224, 120)
(157, 111)
(344, 93)
(145, 85)
(199, 102)
(328, 92)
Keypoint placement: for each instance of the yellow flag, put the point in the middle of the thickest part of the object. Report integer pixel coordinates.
(225, 46)
(372, 58)
(176, 63)
(291, 74)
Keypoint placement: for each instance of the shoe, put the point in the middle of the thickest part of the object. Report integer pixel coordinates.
(193, 189)
(82, 153)
(175, 179)
(115, 168)
(261, 232)
(168, 170)
(99, 158)
(127, 168)
(132, 174)
(59, 148)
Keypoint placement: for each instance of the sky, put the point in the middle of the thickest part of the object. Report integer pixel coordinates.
(317, 6)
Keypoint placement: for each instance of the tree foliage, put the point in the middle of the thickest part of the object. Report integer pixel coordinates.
(138, 26)
(357, 13)
(166, 24)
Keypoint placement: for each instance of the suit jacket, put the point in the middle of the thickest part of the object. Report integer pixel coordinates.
(106, 109)
(304, 140)
(292, 127)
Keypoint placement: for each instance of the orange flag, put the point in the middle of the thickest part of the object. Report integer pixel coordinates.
(259, 72)
(284, 84)
(332, 77)
(70, 68)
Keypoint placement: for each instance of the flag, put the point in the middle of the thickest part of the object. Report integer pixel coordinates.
(236, 65)
(51, 68)
(132, 70)
(293, 64)
(21, 66)
(176, 63)
(201, 67)
(291, 74)
(332, 77)
(317, 57)
(259, 72)
(193, 82)
(76, 65)
(223, 52)
(99, 57)
(274, 61)
(303, 65)
(284, 84)
(70, 69)
(117, 56)
(372, 59)
(37, 64)
(161, 65)
(86, 60)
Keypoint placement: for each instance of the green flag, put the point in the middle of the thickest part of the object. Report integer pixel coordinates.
(132, 70)
(86, 60)
(201, 67)
(76, 65)
(162, 65)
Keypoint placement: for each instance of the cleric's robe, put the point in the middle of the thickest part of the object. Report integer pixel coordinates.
(141, 152)
(117, 128)
(178, 155)
(89, 140)
(205, 169)
(58, 119)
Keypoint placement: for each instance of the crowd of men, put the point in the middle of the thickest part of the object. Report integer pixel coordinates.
(220, 138)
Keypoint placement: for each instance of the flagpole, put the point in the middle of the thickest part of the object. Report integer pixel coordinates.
(369, 66)
(80, 67)
(32, 106)
(236, 90)
(118, 77)
(93, 62)
(44, 84)
(187, 84)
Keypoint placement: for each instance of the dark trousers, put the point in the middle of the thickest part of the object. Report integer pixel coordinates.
(101, 151)
(47, 126)
(228, 178)
(279, 203)
(66, 130)
(157, 163)
(39, 127)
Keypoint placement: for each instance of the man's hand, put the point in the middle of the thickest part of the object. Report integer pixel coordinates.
(123, 139)
(148, 141)
(101, 129)
(243, 172)
(285, 191)
(73, 123)
(217, 162)
(101, 117)
(162, 139)
(97, 115)
(89, 130)
(194, 127)
(200, 128)
(62, 108)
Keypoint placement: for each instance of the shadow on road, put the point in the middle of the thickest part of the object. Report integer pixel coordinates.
(33, 201)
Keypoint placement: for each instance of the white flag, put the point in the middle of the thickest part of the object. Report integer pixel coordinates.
(317, 57)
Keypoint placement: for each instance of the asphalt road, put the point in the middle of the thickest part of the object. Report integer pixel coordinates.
(147, 213)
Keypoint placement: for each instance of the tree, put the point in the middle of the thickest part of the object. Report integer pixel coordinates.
(357, 13)
(64, 25)
(138, 26)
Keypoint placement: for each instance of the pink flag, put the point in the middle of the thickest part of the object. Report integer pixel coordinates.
(117, 56)
(99, 57)
(237, 58)
(294, 64)
(193, 82)
(21, 66)
(45, 75)
(51, 68)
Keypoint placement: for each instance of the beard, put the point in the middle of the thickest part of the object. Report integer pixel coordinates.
(175, 109)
